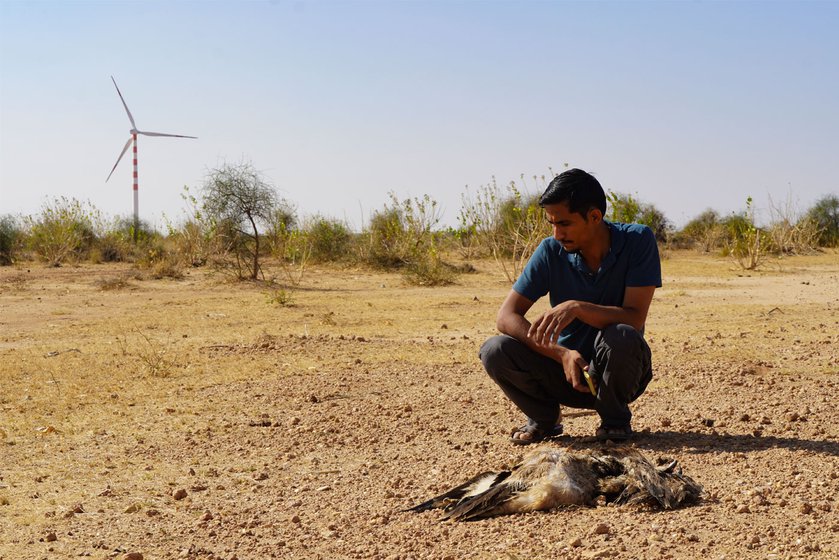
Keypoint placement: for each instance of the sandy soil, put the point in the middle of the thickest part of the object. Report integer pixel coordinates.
(197, 418)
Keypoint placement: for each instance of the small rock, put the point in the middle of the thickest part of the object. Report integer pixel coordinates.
(295, 518)
(805, 508)
(709, 422)
(666, 422)
(313, 399)
(444, 326)
(132, 556)
(601, 529)
(179, 494)
(152, 512)
(407, 408)
(260, 476)
(574, 543)
(207, 516)
(50, 537)
(743, 508)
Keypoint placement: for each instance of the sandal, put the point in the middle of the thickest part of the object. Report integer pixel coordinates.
(536, 433)
(621, 433)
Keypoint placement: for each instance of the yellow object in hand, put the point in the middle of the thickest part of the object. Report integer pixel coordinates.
(590, 381)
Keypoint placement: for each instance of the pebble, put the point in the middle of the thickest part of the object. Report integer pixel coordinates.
(743, 508)
(805, 508)
(295, 518)
(601, 529)
(179, 494)
(574, 543)
(260, 476)
(207, 516)
(51, 537)
(132, 556)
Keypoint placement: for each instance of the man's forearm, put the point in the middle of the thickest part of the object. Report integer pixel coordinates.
(517, 327)
(601, 316)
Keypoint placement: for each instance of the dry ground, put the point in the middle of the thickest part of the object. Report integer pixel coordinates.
(197, 418)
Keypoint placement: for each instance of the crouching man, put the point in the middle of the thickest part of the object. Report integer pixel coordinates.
(588, 350)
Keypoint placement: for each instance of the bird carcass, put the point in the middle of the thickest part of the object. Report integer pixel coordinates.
(547, 478)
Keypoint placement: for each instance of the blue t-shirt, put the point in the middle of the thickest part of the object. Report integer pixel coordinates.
(632, 261)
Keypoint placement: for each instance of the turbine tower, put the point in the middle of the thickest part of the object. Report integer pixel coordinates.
(133, 140)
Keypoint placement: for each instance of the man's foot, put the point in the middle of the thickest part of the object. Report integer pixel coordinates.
(531, 433)
(621, 433)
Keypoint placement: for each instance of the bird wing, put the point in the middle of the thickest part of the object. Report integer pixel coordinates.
(487, 504)
(472, 487)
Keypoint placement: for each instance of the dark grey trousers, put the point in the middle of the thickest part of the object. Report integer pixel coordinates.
(621, 367)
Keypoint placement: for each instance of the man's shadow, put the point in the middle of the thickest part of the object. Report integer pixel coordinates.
(695, 442)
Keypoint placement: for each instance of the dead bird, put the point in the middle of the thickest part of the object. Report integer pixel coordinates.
(547, 478)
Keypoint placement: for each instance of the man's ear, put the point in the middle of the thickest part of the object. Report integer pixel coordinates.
(595, 216)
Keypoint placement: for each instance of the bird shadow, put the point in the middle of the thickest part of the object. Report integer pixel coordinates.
(696, 442)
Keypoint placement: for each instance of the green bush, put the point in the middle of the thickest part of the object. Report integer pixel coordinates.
(506, 223)
(825, 214)
(746, 243)
(402, 234)
(328, 240)
(704, 232)
(117, 243)
(65, 230)
(626, 209)
(11, 238)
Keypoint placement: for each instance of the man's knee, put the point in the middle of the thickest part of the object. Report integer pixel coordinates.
(628, 358)
(620, 339)
(494, 352)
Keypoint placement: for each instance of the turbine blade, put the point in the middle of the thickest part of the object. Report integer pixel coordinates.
(125, 149)
(130, 118)
(162, 134)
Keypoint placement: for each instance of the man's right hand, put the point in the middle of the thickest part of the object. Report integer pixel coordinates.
(573, 364)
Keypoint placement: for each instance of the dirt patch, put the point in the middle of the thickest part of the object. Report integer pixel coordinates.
(198, 419)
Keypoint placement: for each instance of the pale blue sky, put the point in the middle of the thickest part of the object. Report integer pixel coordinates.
(687, 105)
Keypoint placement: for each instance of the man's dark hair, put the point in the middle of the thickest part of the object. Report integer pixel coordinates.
(576, 188)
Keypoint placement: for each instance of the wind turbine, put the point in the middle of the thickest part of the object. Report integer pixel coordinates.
(133, 139)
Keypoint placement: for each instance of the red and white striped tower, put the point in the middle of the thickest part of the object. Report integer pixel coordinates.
(133, 139)
(136, 191)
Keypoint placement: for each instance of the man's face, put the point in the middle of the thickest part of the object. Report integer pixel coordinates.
(570, 228)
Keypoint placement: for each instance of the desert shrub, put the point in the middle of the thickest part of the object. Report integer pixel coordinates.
(11, 239)
(428, 269)
(65, 230)
(120, 243)
(626, 209)
(240, 200)
(403, 234)
(389, 243)
(325, 239)
(705, 232)
(789, 232)
(746, 243)
(160, 260)
(825, 215)
(506, 223)
(281, 225)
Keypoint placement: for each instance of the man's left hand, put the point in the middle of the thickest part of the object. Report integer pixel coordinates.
(547, 327)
